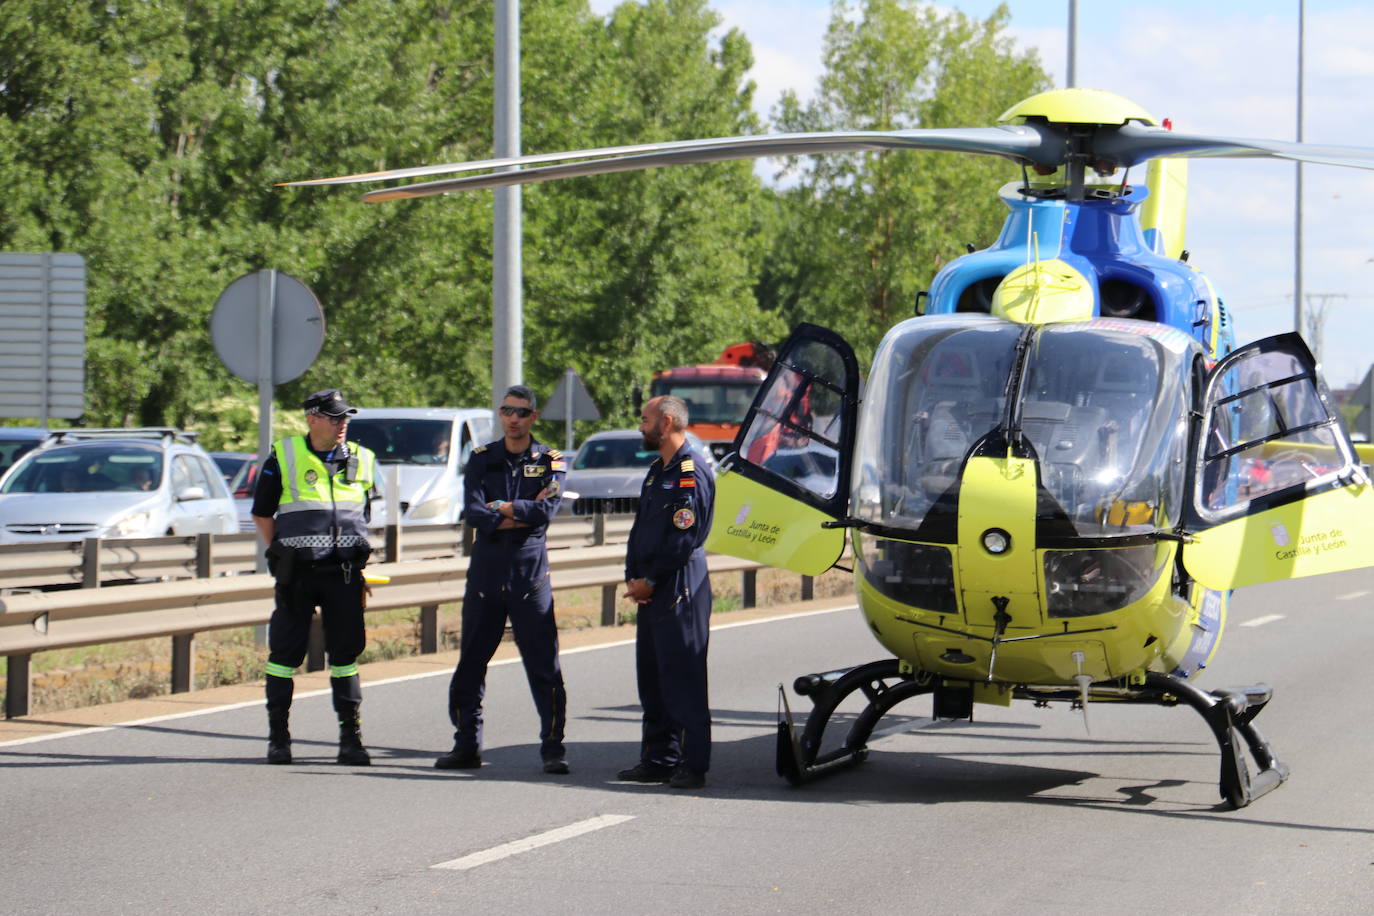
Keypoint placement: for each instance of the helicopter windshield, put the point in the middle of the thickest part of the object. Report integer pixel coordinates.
(1102, 407)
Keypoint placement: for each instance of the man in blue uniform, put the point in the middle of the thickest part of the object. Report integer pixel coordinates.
(665, 574)
(312, 509)
(514, 487)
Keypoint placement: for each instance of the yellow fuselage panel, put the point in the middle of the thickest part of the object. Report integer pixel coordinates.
(755, 522)
(998, 494)
(1149, 634)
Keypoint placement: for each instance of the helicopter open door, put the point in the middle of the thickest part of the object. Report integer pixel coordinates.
(1277, 491)
(789, 472)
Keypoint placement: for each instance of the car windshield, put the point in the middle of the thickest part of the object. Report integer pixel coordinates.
(87, 469)
(1103, 408)
(403, 441)
(713, 401)
(608, 453)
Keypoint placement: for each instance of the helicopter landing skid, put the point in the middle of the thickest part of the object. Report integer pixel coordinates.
(882, 682)
(1230, 713)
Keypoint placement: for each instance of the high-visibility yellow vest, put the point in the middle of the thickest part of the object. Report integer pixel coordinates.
(322, 515)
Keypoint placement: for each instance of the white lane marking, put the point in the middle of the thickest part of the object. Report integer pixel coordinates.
(97, 729)
(515, 847)
(1360, 594)
(1261, 621)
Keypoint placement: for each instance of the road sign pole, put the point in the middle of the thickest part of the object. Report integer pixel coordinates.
(567, 409)
(267, 299)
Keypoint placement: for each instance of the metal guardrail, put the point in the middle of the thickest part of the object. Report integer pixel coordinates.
(95, 562)
(41, 620)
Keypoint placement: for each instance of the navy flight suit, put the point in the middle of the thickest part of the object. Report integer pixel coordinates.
(670, 527)
(509, 576)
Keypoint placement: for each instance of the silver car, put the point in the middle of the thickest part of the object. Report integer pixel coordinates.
(114, 483)
(609, 469)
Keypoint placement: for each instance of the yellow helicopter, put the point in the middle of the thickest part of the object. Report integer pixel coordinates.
(1060, 467)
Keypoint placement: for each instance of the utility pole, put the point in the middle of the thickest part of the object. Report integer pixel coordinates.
(1071, 75)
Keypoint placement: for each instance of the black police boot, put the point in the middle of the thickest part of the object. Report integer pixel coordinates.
(460, 758)
(278, 737)
(351, 750)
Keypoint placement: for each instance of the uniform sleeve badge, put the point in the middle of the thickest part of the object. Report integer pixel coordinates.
(684, 519)
(558, 465)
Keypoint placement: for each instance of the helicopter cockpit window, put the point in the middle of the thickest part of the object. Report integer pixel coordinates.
(1267, 432)
(937, 387)
(1104, 410)
(795, 432)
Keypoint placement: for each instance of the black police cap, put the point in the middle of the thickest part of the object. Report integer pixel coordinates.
(329, 402)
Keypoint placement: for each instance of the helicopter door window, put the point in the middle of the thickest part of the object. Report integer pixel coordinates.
(794, 432)
(1268, 432)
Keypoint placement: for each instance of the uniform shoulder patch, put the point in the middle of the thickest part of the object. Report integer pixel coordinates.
(479, 450)
(688, 465)
(554, 454)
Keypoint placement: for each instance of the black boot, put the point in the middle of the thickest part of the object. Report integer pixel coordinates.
(351, 750)
(278, 737)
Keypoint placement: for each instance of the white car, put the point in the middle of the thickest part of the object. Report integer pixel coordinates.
(609, 470)
(426, 449)
(114, 483)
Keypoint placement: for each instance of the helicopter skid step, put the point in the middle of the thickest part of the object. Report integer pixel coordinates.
(1229, 712)
(882, 682)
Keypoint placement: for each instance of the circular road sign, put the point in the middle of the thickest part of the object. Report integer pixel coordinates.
(297, 331)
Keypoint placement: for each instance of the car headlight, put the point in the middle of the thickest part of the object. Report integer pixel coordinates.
(430, 508)
(131, 525)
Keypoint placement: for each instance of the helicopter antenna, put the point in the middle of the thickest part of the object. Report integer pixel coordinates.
(1084, 681)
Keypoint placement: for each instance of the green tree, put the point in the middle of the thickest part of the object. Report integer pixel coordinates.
(860, 234)
(149, 137)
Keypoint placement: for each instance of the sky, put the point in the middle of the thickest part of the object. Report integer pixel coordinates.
(1224, 67)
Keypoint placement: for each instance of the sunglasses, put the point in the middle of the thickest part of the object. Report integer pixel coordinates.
(521, 412)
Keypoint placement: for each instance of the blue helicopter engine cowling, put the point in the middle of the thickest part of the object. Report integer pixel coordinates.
(1101, 238)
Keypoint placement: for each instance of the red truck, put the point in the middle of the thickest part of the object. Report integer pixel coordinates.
(718, 394)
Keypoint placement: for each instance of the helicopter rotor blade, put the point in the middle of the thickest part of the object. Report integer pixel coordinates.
(1131, 144)
(1017, 142)
(1035, 143)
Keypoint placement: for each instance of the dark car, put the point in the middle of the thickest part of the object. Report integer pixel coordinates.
(609, 469)
(240, 470)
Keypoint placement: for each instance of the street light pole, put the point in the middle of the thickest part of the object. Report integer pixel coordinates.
(507, 345)
(1297, 191)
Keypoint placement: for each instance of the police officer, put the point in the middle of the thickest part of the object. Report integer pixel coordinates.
(311, 508)
(665, 574)
(514, 487)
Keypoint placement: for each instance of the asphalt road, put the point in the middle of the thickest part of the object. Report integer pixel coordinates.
(1020, 811)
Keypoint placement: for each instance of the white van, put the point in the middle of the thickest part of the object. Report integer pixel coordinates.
(427, 448)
